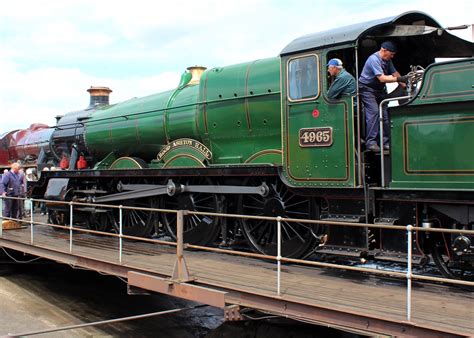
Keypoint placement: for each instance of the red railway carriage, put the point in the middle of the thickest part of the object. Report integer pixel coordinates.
(25, 145)
(5, 141)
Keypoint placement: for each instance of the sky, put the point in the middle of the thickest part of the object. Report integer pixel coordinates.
(51, 52)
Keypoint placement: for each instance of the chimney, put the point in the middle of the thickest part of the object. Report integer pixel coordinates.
(196, 72)
(99, 96)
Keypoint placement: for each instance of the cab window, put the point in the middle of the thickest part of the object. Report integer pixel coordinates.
(303, 78)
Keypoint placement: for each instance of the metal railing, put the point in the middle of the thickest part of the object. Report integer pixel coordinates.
(181, 272)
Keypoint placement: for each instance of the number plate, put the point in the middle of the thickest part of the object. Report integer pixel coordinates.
(316, 137)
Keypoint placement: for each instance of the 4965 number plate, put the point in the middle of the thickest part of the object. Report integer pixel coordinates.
(316, 137)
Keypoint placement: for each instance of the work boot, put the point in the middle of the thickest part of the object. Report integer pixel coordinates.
(373, 147)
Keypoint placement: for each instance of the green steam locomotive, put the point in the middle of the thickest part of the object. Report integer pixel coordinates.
(263, 138)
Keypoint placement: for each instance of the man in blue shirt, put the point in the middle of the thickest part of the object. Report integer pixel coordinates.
(11, 187)
(378, 70)
(343, 84)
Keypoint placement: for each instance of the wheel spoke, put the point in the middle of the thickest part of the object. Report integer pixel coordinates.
(128, 219)
(252, 207)
(205, 198)
(136, 219)
(297, 213)
(259, 222)
(286, 231)
(192, 221)
(263, 232)
(198, 219)
(297, 203)
(291, 197)
(285, 192)
(198, 208)
(306, 226)
(296, 232)
(259, 201)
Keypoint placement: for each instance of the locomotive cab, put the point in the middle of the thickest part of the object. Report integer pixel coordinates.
(323, 138)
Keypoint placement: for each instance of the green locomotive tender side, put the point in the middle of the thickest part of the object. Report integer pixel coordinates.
(434, 133)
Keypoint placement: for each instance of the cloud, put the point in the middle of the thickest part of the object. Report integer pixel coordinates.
(39, 95)
(52, 51)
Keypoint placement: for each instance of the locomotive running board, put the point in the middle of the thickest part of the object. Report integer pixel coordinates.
(171, 189)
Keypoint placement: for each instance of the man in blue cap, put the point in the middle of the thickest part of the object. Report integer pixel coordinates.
(343, 84)
(378, 70)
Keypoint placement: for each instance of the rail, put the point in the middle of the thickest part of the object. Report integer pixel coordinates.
(381, 120)
(181, 273)
(102, 322)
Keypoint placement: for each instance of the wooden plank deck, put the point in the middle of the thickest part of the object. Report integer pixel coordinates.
(441, 306)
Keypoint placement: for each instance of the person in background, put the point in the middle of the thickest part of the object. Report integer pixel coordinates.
(11, 187)
(344, 83)
(43, 209)
(378, 70)
(5, 171)
(21, 203)
(30, 175)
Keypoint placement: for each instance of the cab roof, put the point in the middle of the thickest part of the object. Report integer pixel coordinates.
(350, 34)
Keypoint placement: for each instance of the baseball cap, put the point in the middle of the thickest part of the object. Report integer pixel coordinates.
(390, 46)
(335, 62)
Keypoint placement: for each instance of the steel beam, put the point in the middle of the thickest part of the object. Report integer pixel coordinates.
(74, 260)
(204, 295)
(334, 317)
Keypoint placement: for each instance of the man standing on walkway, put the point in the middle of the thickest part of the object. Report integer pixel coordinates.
(11, 187)
(378, 70)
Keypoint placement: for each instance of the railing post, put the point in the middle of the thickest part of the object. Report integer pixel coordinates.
(71, 208)
(31, 218)
(278, 255)
(180, 272)
(120, 232)
(1, 216)
(409, 269)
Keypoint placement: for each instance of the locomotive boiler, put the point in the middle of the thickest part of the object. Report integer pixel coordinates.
(262, 138)
(29, 146)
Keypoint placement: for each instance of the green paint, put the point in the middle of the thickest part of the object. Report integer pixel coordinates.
(434, 139)
(106, 162)
(330, 165)
(128, 163)
(234, 111)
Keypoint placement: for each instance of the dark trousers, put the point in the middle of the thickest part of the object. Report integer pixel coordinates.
(43, 207)
(370, 101)
(10, 208)
(21, 208)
